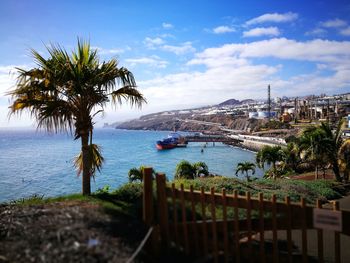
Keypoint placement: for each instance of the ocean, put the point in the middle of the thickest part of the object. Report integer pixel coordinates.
(35, 162)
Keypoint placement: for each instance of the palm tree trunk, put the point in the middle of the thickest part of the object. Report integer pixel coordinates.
(336, 170)
(316, 172)
(86, 159)
(346, 175)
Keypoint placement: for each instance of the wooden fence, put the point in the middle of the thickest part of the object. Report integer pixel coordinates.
(228, 227)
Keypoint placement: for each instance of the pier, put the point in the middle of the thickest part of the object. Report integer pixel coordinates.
(210, 138)
(254, 143)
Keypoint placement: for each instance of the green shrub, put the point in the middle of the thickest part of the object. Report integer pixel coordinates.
(103, 190)
(129, 192)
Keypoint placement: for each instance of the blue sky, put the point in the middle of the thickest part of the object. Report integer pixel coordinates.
(189, 53)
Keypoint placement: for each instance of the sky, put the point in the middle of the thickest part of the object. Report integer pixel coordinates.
(186, 54)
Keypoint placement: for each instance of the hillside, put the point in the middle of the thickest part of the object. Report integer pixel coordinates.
(190, 119)
(181, 122)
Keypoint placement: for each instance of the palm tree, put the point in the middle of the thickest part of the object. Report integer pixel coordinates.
(344, 160)
(270, 155)
(201, 169)
(332, 144)
(135, 175)
(313, 147)
(184, 169)
(66, 91)
(292, 157)
(245, 167)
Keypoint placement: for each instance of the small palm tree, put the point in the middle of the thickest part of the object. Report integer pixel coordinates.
(245, 167)
(136, 174)
(270, 155)
(184, 169)
(201, 169)
(66, 91)
(292, 157)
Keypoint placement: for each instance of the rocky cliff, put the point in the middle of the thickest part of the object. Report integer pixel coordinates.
(187, 122)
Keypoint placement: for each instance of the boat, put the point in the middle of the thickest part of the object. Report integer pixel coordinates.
(173, 140)
(165, 144)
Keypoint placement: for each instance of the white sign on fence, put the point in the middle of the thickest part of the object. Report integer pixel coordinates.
(328, 219)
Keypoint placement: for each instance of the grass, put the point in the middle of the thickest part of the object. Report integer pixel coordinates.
(124, 201)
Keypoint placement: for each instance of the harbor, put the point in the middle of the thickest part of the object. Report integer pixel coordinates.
(250, 142)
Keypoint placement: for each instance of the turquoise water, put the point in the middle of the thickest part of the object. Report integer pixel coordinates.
(34, 162)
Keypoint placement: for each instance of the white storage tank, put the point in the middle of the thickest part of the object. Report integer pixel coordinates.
(252, 115)
(291, 111)
(265, 114)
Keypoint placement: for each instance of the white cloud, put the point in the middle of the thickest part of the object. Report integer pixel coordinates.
(345, 31)
(334, 23)
(316, 32)
(167, 25)
(262, 31)
(231, 72)
(223, 29)
(211, 86)
(317, 50)
(181, 49)
(273, 17)
(153, 61)
(112, 51)
(153, 42)
(8, 75)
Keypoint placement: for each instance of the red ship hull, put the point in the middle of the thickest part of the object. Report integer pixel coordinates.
(165, 146)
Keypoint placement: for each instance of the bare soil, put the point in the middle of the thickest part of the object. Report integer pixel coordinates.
(73, 231)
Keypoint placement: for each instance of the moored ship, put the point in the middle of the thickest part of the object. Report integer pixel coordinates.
(174, 140)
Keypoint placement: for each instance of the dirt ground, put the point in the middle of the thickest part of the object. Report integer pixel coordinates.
(73, 231)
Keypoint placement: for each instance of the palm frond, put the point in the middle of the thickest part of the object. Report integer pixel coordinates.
(96, 160)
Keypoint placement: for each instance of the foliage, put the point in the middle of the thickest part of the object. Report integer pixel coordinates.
(129, 192)
(333, 142)
(245, 167)
(270, 155)
(95, 161)
(185, 169)
(291, 157)
(273, 124)
(66, 91)
(344, 160)
(103, 190)
(136, 174)
(201, 169)
(31, 200)
(321, 146)
(310, 190)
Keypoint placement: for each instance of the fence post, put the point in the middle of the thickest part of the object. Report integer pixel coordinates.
(163, 208)
(336, 237)
(147, 213)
